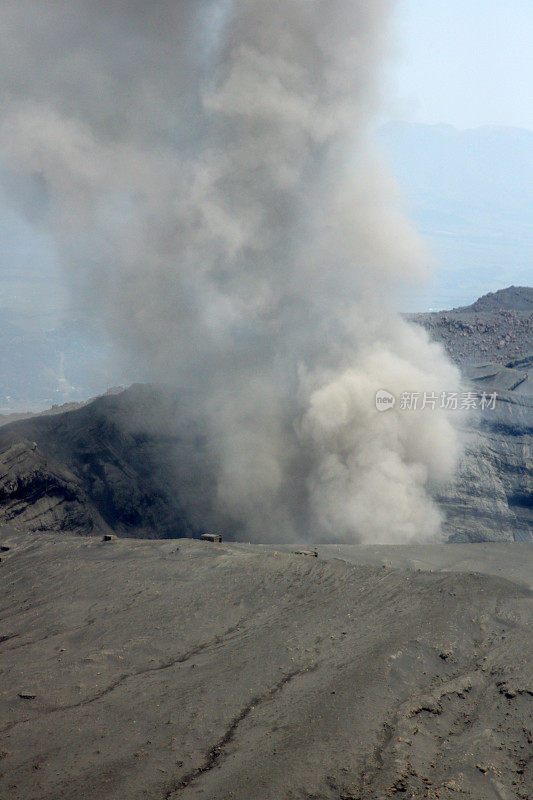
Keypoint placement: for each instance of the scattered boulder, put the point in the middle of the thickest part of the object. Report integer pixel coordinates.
(27, 696)
(211, 537)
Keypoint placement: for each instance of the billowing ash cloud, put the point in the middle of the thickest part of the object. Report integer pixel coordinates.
(204, 167)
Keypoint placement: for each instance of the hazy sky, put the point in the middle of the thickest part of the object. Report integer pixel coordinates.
(464, 62)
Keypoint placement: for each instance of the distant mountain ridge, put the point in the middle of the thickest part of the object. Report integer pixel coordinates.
(498, 327)
(513, 298)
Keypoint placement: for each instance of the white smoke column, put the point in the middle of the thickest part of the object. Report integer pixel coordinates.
(205, 169)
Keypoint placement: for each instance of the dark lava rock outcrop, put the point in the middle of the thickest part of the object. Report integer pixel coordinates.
(105, 466)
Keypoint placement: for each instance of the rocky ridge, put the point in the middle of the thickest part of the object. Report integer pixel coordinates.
(497, 327)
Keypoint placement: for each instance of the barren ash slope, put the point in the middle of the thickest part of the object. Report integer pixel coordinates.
(190, 670)
(492, 341)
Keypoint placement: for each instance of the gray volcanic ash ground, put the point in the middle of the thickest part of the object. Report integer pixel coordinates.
(190, 670)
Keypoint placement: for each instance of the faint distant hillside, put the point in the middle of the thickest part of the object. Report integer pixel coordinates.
(40, 368)
(470, 194)
(514, 298)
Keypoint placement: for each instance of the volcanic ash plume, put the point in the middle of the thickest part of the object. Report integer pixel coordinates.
(205, 170)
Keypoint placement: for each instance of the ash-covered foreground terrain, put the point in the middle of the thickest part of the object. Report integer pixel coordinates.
(168, 670)
(112, 465)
